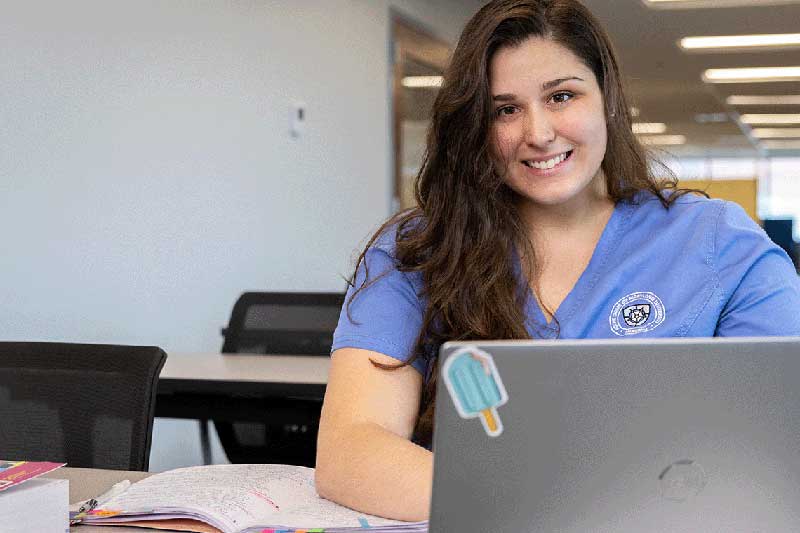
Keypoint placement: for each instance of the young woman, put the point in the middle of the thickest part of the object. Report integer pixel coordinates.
(538, 217)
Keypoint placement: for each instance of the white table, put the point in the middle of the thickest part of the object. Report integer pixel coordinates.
(247, 368)
(214, 386)
(85, 483)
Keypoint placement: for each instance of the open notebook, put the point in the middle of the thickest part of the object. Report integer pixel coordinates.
(236, 499)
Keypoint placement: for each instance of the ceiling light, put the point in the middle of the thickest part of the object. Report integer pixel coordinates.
(781, 145)
(776, 133)
(417, 82)
(662, 139)
(784, 99)
(693, 4)
(756, 118)
(705, 118)
(649, 127)
(735, 42)
(751, 75)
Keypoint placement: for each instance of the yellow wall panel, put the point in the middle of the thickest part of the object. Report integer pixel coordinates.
(743, 192)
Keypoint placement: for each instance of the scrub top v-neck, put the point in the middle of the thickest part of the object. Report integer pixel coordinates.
(537, 324)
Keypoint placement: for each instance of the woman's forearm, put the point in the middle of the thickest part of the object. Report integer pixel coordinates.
(370, 469)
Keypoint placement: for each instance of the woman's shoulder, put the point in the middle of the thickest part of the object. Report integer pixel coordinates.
(681, 207)
(687, 199)
(695, 216)
(386, 238)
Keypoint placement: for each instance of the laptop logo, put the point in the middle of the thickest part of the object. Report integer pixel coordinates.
(475, 386)
(638, 312)
(682, 480)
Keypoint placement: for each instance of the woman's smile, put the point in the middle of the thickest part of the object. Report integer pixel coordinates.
(547, 166)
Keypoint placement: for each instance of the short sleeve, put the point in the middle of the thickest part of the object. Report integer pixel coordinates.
(384, 317)
(757, 279)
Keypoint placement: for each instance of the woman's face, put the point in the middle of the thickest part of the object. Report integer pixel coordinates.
(549, 128)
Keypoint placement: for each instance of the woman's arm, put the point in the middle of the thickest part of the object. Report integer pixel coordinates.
(365, 458)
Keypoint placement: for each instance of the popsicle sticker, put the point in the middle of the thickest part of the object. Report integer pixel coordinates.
(476, 388)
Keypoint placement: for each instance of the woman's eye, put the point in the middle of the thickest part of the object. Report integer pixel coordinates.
(505, 111)
(560, 98)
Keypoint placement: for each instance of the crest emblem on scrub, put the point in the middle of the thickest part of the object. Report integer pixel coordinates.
(636, 315)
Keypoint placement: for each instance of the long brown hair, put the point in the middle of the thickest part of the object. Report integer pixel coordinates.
(465, 232)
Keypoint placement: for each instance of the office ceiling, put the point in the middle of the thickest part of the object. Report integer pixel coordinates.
(665, 82)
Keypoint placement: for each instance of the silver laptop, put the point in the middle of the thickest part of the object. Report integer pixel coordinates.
(672, 435)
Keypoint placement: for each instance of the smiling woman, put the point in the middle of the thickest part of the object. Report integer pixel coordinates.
(550, 125)
(538, 217)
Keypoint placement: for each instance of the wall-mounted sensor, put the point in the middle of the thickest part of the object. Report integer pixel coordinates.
(297, 118)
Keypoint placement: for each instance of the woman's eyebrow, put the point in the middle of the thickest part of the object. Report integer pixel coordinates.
(508, 97)
(553, 83)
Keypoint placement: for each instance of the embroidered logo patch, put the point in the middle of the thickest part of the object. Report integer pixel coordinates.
(636, 313)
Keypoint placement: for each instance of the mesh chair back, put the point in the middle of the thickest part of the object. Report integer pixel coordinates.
(279, 323)
(283, 323)
(89, 405)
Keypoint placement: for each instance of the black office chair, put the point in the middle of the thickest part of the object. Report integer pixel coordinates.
(279, 323)
(88, 405)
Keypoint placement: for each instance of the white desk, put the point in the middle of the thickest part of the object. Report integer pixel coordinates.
(244, 368)
(235, 387)
(85, 483)
(237, 376)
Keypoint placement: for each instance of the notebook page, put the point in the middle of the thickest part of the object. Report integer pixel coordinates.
(235, 497)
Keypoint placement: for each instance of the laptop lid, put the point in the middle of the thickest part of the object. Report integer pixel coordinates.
(633, 435)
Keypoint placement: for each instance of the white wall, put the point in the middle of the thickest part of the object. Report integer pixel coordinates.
(147, 176)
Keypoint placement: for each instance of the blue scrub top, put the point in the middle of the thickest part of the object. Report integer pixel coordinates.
(701, 268)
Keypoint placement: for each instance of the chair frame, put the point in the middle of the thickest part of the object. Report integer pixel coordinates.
(39, 355)
(303, 412)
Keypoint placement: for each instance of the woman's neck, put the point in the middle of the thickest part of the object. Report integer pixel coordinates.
(584, 214)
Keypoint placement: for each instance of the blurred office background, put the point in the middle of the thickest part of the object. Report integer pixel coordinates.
(158, 158)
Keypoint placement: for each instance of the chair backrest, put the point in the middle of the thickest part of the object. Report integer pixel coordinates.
(292, 323)
(298, 323)
(89, 405)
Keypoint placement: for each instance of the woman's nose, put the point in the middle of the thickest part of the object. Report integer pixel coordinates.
(539, 129)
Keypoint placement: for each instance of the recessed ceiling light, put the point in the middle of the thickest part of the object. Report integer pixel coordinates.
(663, 140)
(776, 133)
(738, 42)
(417, 82)
(778, 99)
(694, 4)
(648, 127)
(781, 145)
(758, 118)
(751, 75)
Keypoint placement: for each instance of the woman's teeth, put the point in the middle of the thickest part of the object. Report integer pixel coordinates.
(550, 163)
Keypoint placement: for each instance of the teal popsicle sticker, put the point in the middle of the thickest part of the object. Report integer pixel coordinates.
(475, 386)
